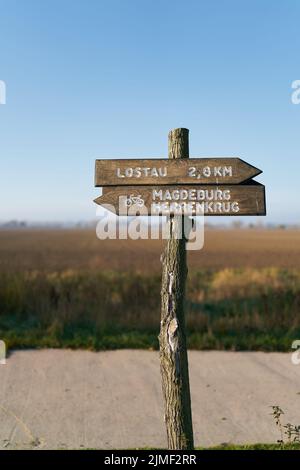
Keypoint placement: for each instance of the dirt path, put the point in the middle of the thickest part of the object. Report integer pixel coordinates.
(71, 399)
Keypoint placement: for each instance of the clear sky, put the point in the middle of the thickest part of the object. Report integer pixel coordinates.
(109, 78)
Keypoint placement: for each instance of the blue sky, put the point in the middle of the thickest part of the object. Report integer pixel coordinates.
(109, 79)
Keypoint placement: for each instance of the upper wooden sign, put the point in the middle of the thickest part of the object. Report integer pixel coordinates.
(217, 170)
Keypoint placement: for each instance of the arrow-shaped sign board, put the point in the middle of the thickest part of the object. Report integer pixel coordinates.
(246, 199)
(166, 171)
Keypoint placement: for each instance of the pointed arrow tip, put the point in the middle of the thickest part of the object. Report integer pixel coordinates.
(98, 200)
(253, 170)
(104, 202)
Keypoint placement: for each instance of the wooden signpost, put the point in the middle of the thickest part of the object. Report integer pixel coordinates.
(178, 187)
(217, 170)
(246, 199)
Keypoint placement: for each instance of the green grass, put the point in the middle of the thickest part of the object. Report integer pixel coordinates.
(230, 309)
(286, 446)
(290, 446)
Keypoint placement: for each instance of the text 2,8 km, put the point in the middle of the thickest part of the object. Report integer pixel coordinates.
(207, 172)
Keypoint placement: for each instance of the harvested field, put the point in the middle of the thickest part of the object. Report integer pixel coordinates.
(53, 250)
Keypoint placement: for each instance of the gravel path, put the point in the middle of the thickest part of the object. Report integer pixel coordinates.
(72, 399)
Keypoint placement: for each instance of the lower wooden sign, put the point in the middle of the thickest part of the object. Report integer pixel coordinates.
(225, 200)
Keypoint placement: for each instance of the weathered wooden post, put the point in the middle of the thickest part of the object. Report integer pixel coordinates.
(172, 338)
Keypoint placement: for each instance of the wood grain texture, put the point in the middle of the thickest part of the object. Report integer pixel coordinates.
(214, 200)
(172, 337)
(215, 170)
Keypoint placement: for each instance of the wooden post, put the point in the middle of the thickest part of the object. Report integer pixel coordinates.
(172, 338)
